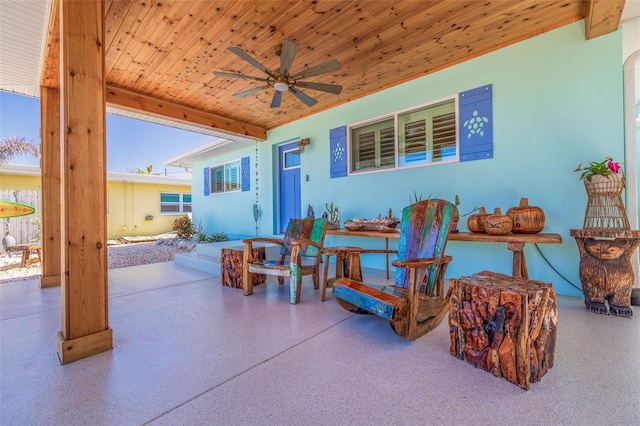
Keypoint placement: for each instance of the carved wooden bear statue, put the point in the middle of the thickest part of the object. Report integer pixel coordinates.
(606, 274)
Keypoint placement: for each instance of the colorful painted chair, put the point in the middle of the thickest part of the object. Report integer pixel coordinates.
(416, 303)
(300, 254)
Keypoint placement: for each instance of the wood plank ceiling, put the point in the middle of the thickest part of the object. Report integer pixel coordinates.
(161, 54)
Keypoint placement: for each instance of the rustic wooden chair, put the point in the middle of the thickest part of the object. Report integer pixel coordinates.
(416, 303)
(300, 253)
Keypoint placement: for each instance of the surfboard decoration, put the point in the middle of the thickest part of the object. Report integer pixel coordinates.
(11, 209)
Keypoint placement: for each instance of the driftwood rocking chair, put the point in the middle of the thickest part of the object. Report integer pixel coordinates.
(416, 303)
(299, 255)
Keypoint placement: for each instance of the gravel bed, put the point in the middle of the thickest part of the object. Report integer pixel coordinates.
(120, 256)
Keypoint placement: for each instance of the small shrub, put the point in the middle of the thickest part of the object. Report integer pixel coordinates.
(184, 227)
(214, 238)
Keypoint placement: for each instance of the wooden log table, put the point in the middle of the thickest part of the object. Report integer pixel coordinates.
(504, 325)
(515, 243)
(606, 272)
(231, 266)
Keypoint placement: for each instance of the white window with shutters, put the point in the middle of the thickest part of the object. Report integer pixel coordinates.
(225, 177)
(418, 136)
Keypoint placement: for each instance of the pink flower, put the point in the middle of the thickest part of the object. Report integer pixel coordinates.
(613, 166)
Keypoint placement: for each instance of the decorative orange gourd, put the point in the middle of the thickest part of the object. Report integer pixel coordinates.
(498, 223)
(475, 222)
(526, 219)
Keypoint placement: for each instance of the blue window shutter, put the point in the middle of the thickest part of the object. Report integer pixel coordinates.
(338, 152)
(245, 169)
(207, 182)
(476, 123)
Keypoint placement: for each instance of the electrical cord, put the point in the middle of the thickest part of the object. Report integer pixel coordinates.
(557, 272)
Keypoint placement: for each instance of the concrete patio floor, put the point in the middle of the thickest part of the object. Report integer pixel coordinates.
(189, 351)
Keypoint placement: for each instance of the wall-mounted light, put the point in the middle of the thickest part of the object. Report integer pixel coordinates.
(148, 217)
(302, 143)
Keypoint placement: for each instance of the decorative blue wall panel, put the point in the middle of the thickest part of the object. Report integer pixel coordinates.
(245, 169)
(476, 123)
(338, 152)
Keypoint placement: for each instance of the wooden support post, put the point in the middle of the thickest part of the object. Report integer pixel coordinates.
(50, 176)
(85, 327)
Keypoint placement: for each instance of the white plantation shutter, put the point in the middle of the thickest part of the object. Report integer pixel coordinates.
(373, 146)
(444, 136)
(427, 134)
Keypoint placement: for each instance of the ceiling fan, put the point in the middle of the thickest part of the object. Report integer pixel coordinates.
(282, 80)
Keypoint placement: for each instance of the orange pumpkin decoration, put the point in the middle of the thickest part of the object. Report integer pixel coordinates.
(526, 219)
(498, 223)
(475, 222)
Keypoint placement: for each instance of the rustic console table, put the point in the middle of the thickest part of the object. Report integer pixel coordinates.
(515, 243)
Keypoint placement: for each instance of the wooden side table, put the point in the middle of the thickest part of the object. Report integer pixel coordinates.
(231, 266)
(347, 265)
(505, 325)
(606, 272)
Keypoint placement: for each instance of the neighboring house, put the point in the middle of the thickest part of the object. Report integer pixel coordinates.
(525, 116)
(137, 204)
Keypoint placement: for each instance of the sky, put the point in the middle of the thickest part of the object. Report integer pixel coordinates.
(131, 143)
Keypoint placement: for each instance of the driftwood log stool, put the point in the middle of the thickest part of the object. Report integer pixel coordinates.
(347, 265)
(231, 266)
(504, 325)
(606, 272)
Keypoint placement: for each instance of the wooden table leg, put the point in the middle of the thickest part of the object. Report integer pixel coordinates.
(355, 270)
(519, 262)
(386, 255)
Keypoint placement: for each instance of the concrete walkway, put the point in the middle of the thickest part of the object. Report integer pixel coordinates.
(189, 351)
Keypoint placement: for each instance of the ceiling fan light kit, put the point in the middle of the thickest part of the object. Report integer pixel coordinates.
(281, 86)
(281, 80)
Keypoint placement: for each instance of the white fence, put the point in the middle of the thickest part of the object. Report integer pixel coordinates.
(25, 229)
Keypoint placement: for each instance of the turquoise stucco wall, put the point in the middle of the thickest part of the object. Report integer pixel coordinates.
(557, 101)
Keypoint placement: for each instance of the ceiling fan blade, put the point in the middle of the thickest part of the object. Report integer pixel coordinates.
(306, 99)
(277, 98)
(252, 61)
(324, 67)
(323, 87)
(250, 91)
(232, 75)
(289, 50)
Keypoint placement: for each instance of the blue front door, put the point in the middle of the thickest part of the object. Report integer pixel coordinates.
(289, 169)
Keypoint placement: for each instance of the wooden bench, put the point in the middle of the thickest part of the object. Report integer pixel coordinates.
(504, 325)
(27, 250)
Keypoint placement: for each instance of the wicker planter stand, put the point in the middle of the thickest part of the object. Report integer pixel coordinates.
(605, 209)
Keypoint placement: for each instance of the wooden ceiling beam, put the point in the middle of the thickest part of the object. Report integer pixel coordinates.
(50, 75)
(602, 17)
(130, 101)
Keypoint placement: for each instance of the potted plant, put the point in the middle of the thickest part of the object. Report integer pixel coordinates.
(606, 174)
(332, 215)
(457, 215)
(604, 182)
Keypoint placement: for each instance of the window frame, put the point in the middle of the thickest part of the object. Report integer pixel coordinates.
(395, 115)
(225, 182)
(181, 203)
